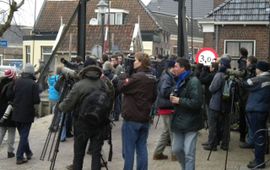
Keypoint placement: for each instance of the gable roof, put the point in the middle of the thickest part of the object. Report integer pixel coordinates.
(94, 37)
(166, 21)
(200, 7)
(51, 13)
(244, 10)
(14, 34)
(50, 16)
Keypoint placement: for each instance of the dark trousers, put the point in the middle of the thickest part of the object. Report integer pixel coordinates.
(257, 122)
(23, 147)
(219, 128)
(117, 107)
(242, 122)
(81, 137)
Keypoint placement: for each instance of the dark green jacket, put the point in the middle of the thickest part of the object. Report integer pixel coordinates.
(188, 115)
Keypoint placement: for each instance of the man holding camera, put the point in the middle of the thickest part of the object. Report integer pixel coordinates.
(139, 94)
(187, 119)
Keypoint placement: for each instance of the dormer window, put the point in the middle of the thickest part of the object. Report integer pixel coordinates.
(117, 16)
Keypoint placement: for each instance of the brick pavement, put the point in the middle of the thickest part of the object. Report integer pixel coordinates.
(237, 160)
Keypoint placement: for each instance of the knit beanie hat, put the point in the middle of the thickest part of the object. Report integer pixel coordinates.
(90, 61)
(225, 62)
(9, 73)
(263, 66)
(29, 68)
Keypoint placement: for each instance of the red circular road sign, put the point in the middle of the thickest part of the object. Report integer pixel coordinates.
(206, 56)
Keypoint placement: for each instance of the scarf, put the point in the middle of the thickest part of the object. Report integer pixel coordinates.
(181, 78)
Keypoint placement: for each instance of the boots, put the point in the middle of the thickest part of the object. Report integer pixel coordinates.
(160, 157)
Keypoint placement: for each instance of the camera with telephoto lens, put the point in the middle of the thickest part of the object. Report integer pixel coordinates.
(69, 73)
(128, 64)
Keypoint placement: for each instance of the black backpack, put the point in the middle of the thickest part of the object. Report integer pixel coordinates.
(95, 107)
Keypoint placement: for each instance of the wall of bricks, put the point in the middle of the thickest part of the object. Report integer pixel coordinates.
(259, 33)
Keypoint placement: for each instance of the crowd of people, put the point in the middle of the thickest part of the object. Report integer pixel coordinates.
(186, 97)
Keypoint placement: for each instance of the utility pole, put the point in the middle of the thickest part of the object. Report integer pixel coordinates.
(81, 28)
(181, 28)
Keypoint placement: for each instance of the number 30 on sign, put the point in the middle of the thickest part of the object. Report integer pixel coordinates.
(206, 56)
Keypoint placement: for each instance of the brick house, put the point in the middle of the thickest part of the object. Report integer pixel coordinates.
(234, 24)
(123, 13)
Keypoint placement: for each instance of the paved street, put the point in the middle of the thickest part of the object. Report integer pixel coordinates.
(237, 159)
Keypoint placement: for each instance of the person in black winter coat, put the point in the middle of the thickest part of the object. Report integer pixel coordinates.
(26, 95)
(6, 123)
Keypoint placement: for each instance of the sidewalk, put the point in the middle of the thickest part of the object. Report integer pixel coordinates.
(237, 158)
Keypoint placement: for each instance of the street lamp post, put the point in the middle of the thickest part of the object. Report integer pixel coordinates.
(81, 28)
(102, 9)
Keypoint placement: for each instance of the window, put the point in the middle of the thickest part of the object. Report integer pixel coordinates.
(232, 48)
(46, 52)
(27, 54)
(118, 19)
(115, 18)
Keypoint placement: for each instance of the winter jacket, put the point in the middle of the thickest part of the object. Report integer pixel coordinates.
(139, 94)
(6, 85)
(90, 81)
(259, 93)
(188, 115)
(216, 89)
(26, 95)
(53, 93)
(165, 87)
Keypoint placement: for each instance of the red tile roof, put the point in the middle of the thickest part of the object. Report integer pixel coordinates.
(93, 37)
(49, 19)
(50, 16)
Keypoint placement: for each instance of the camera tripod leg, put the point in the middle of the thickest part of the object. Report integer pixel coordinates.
(56, 148)
(104, 162)
(45, 147)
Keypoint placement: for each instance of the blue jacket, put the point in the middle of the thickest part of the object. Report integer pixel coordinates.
(53, 93)
(259, 96)
(165, 87)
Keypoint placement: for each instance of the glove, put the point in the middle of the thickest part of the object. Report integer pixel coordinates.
(63, 60)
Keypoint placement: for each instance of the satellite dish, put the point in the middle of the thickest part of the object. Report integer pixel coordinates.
(93, 21)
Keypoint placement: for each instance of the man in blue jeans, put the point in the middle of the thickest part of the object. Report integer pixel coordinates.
(139, 94)
(187, 119)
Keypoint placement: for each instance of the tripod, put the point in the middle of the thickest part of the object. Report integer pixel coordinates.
(55, 130)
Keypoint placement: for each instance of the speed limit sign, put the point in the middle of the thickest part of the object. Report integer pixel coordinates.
(206, 56)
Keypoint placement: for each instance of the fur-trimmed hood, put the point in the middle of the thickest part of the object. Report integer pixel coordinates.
(92, 72)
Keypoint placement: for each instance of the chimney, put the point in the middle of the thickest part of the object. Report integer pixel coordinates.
(217, 3)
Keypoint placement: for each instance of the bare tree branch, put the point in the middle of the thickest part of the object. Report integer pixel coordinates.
(13, 8)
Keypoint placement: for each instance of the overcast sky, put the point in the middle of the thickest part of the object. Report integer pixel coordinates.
(25, 15)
